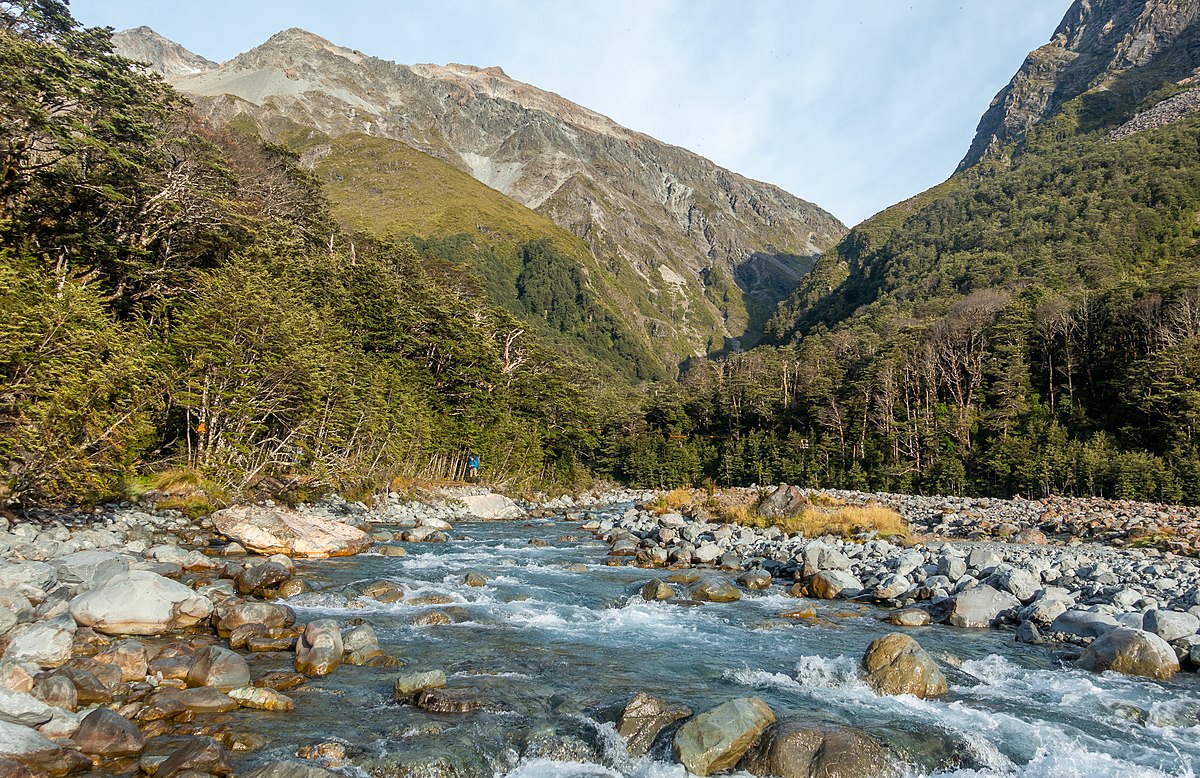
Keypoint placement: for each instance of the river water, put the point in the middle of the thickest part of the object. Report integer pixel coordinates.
(561, 646)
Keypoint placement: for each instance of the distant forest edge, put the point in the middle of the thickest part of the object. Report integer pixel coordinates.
(179, 298)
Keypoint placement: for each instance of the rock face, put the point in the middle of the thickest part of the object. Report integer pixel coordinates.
(1117, 51)
(896, 664)
(659, 217)
(139, 602)
(162, 54)
(284, 531)
(796, 749)
(1132, 652)
(717, 739)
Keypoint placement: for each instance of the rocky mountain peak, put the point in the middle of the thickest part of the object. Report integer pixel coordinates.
(709, 252)
(162, 54)
(1116, 53)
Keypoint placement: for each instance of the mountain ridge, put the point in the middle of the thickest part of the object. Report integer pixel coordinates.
(673, 218)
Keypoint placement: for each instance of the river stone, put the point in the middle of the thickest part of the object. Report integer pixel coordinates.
(88, 569)
(202, 699)
(202, 755)
(475, 579)
(23, 708)
(644, 718)
(16, 602)
(231, 613)
(130, 656)
(219, 668)
(284, 531)
(106, 733)
(1049, 606)
(1132, 652)
(893, 587)
(755, 579)
(458, 701)
(1018, 582)
(139, 602)
(707, 553)
(835, 584)
(1084, 624)
(260, 698)
(409, 685)
(716, 739)
(289, 770)
(319, 650)
(47, 644)
(37, 576)
(360, 645)
(16, 676)
(796, 749)
(491, 506)
(655, 590)
(32, 749)
(979, 607)
(909, 617)
(982, 559)
(1170, 625)
(57, 691)
(716, 590)
(952, 566)
(261, 578)
(897, 664)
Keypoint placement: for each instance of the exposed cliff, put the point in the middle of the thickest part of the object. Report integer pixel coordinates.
(1114, 53)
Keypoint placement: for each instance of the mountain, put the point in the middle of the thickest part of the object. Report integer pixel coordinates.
(690, 253)
(165, 56)
(1031, 325)
(1114, 54)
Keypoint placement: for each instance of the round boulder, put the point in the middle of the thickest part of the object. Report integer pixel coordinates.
(1132, 652)
(896, 664)
(795, 749)
(139, 602)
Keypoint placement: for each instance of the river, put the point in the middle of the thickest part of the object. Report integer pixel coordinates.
(561, 646)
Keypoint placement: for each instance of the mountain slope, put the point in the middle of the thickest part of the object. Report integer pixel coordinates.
(1113, 53)
(703, 253)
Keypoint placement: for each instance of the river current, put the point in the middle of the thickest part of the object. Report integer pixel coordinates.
(564, 641)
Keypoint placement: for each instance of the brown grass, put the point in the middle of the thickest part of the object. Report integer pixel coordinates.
(673, 501)
(845, 521)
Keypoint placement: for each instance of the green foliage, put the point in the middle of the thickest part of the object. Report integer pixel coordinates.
(1032, 328)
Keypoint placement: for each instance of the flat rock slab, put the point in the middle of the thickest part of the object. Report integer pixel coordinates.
(284, 531)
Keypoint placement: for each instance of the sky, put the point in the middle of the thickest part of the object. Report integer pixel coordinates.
(851, 104)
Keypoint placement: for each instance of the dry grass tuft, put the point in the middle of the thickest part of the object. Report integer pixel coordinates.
(177, 481)
(841, 520)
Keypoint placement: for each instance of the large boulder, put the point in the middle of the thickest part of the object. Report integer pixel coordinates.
(716, 590)
(1132, 652)
(491, 506)
(23, 708)
(89, 569)
(644, 718)
(1170, 625)
(231, 613)
(47, 644)
(835, 584)
(796, 749)
(896, 664)
(285, 531)
(32, 749)
(319, 650)
(219, 668)
(361, 645)
(981, 606)
(718, 738)
(1083, 623)
(106, 733)
(140, 602)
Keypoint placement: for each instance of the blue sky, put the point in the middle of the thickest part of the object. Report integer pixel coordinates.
(853, 105)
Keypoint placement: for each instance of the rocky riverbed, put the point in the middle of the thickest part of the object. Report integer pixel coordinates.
(403, 638)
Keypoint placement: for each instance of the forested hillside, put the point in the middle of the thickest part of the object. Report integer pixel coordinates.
(175, 296)
(1032, 325)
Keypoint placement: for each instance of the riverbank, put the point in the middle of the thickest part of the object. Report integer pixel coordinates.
(141, 640)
